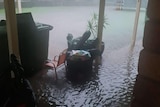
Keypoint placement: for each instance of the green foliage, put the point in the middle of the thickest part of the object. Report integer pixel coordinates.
(93, 24)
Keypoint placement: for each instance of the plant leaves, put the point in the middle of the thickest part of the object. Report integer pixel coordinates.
(93, 24)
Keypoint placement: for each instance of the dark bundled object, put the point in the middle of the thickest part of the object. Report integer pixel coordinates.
(2, 22)
(17, 91)
(83, 43)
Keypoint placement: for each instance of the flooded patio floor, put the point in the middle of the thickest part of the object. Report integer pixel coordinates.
(111, 85)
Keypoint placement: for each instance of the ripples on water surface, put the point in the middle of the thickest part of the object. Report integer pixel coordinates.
(111, 86)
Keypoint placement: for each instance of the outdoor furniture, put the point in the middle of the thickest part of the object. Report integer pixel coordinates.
(58, 61)
(33, 40)
(77, 43)
(120, 4)
(15, 89)
(84, 43)
(4, 51)
(79, 64)
(33, 43)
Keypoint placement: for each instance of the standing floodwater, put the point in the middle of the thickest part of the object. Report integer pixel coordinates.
(111, 84)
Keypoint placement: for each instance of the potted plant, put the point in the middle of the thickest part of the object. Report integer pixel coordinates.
(92, 26)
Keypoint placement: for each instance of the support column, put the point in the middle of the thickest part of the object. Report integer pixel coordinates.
(19, 6)
(12, 32)
(136, 23)
(100, 22)
(147, 87)
(100, 27)
(149, 61)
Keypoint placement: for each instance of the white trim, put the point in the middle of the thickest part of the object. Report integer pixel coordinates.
(19, 6)
(136, 23)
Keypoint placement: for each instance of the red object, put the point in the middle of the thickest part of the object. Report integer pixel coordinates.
(22, 105)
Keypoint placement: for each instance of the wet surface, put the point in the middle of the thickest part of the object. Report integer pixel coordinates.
(111, 84)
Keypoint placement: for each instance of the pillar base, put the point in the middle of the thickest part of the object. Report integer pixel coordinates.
(146, 93)
(149, 65)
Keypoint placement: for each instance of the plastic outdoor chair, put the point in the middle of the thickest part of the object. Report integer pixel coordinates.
(58, 61)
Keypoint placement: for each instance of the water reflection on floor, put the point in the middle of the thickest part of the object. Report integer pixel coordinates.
(111, 86)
